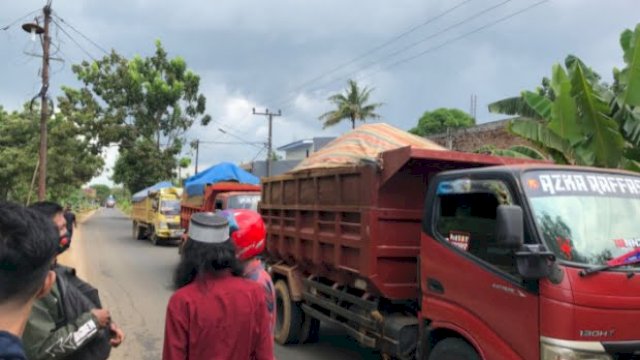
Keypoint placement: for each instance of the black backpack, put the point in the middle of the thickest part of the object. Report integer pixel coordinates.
(79, 297)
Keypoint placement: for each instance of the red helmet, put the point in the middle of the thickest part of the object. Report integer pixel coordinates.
(247, 232)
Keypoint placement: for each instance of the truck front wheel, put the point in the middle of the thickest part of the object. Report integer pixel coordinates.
(289, 316)
(453, 349)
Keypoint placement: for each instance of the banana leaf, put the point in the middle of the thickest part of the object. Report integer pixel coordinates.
(605, 141)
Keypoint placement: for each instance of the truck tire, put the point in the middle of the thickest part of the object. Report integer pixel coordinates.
(289, 316)
(137, 231)
(153, 237)
(453, 349)
(310, 332)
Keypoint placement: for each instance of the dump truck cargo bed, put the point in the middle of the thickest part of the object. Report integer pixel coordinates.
(358, 226)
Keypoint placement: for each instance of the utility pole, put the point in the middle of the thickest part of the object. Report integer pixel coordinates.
(34, 28)
(197, 153)
(270, 115)
(474, 106)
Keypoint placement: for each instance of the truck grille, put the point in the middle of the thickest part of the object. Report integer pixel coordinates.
(174, 226)
(624, 350)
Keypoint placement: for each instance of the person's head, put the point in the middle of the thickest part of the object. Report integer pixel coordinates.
(55, 212)
(209, 250)
(67, 208)
(247, 232)
(28, 245)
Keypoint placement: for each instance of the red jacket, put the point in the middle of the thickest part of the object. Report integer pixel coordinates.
(222, 317)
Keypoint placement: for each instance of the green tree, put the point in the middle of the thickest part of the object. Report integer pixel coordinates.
(102, 192)
(578, 119)
(142, 164)
(72, 158)
(135, 103)
(439, 120)
(352, 105)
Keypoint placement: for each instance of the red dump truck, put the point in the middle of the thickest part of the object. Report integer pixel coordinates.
(220, 196)
(445, 255)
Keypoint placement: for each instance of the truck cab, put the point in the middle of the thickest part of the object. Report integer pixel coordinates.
(531, 262)
(237, 200)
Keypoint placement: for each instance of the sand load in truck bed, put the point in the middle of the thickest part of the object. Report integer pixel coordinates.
(363, 146)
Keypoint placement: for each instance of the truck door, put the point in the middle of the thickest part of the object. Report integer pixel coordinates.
(468, 278)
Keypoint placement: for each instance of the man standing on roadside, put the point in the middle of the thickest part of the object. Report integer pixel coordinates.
(27, 250)
(69, 323)
(70, 218)
(215, 314)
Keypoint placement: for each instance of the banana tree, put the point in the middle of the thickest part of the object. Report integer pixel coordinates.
(577, 119)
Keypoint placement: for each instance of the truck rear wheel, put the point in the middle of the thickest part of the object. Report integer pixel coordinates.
(310, 332)
(289, 316)
(453, 349)
(137, 231)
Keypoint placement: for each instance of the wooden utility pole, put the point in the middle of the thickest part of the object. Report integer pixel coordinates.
(44, 108)
(269, 149)
(34, 28)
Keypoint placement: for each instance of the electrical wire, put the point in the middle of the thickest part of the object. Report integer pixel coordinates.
(408, 47)
(432, 49)
(74, 40)
(381, 46)
(81, 34)
(6, 27)
(239, 138)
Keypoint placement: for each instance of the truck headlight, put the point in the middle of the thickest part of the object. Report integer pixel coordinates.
(163, 225)
(553, 352)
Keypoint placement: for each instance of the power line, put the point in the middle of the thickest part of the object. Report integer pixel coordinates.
(6, 27)
(380, 46)
(74, 40)
(229, 142)
(476, 30)
(81, 34)
(406, 48)
(239, 138)
(434, 48)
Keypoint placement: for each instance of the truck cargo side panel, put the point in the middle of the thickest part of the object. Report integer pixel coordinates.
(331, 220)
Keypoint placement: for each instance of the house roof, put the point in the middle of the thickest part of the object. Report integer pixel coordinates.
(300, 144)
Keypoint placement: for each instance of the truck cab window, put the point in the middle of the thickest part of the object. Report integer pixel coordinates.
(467, 219)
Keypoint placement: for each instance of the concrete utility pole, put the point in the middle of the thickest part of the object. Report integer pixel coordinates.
(269, 150)
(34, 28)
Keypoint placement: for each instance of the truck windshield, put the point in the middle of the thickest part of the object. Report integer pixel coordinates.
(244, 202)
(170, 207)
(585, 217)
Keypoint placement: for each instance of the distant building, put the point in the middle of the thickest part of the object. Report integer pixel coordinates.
(301, 149)
(294, 153)
(470, 139)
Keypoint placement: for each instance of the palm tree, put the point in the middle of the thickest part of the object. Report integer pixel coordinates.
(351, 105)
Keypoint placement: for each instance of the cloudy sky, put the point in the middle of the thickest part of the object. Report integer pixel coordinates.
(291, 55)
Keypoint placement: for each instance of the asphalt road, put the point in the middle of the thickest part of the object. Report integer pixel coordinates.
(133, 278)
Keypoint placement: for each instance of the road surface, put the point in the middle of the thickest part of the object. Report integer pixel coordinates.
(133, 278)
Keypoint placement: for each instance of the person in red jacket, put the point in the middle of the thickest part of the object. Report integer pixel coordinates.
(215, 313)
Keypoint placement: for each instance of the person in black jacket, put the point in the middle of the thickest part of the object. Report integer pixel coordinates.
(69, 323)
(27, 252)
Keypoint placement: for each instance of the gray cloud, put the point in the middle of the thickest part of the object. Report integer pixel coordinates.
(253, 53)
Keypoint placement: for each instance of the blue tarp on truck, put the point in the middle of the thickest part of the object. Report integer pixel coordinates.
(224, 171)
(142, 194)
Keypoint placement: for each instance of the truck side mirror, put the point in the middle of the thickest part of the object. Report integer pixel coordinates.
(510, 226)
(534, 261)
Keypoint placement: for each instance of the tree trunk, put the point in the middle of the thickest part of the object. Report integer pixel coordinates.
(353, 122)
